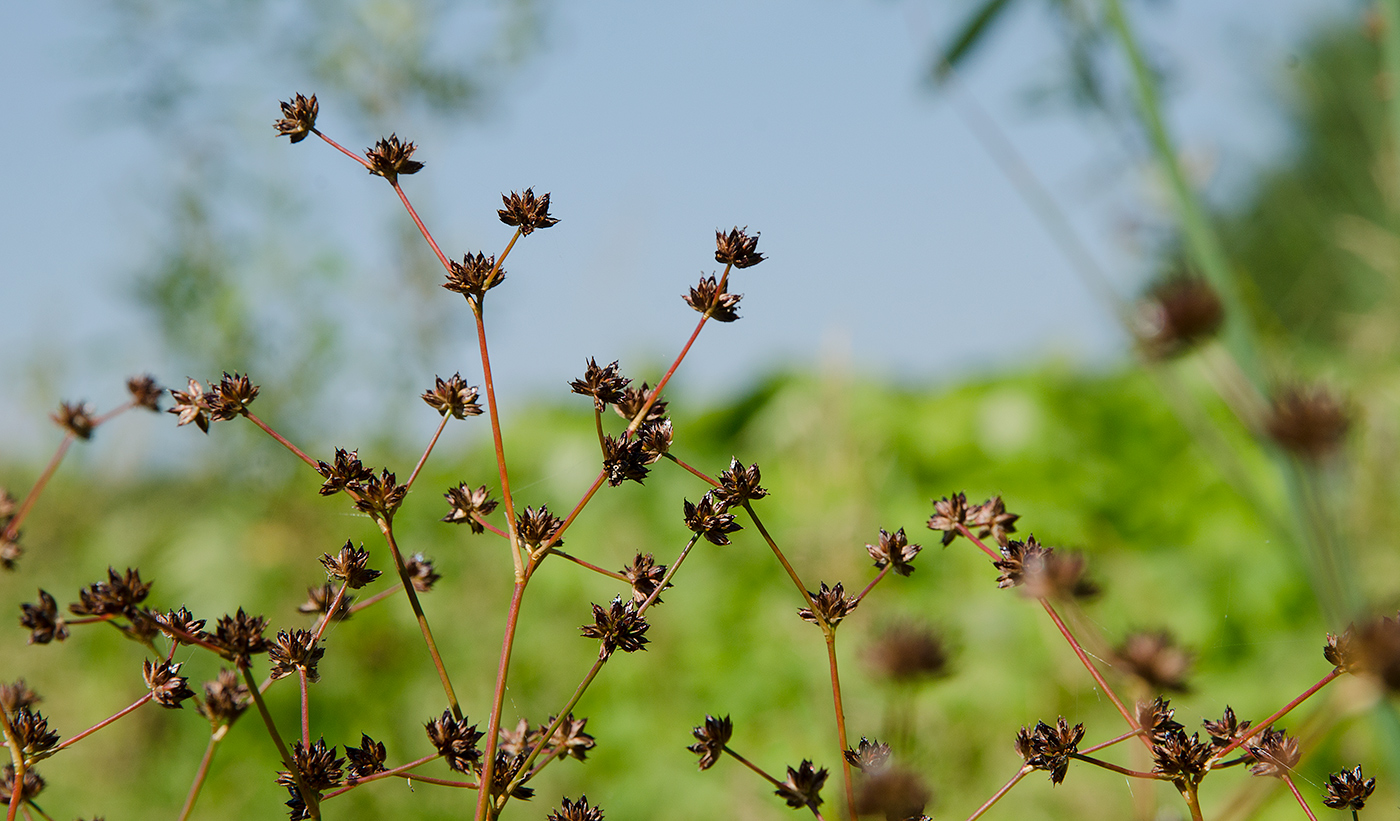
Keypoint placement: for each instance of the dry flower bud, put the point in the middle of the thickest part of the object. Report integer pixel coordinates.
(467, 505)
(32, 732)
(1178, 314)
(119, 595)
(535, 527)
(655, 438)
(167, 686)
(180, 626)
(455, 740)
(625, 459)
(991, 519)
(569, 738)
(1156, 659)
(605, 384)
(347, 472)
(737, 248)
(1155, 718)
(644, 574)
(42, 620)
(948, 514)
(576, 811)
(298, 118)
(1310, 423)
(526, 211)
(895, 792)
(145, 392)
(1177, 756)
(295, 650)
(803, 785)
(225, 699)
(472, 277)
(10, 550)
(710, 739)
(708, 519)
(421, 573)
(1348, 790)
(710, 300)
(74, 417)
(191, 405)
(907, 653)
(390, 158)
(1227, 730)
(831, 605)
(631, 402)
(231, 398)
(16, 695)
(379, 495)
(894, 549)
(619, 627)
(365, 760)
(30, 786)
(319, 599)
(1275, 752)
(1050, 748)
(868, 756)
(739, 484)
(239, 637)
(350, 565)
(317, 765)
(453, 396)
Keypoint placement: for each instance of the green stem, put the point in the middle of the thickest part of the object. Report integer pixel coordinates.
(830, 632)
(39, 484)
(493, 730)
(387, 529)
(309, 796)
(792, 574)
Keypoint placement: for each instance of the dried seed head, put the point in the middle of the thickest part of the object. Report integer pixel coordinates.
(710, 739)
(737, 248)
(298, 118)
(350, 565)
(716, 303)
(739, 484)
(831, 605)
(1178, 314)
(576, 811)
(453, 396)
(1156, 659)
(1041, 573)
(32, 732)
(1049, 748)
(1275, 752)
(119, 595)
(907, 653)
(803, 785)
(16, 696)
(631, 402)
(1227, 730)
(317, 765)
(991, 519)
(624, 459)
(365, 760)
(231, 398)
(569, 738)
(180, 626)
(74, 417)
(644, 574)
(1348, 790)
(239, 637)
(167, 686)
(1379, 643)
(379, 495)
(455, 740)
(30, 786)
(709, 519)
(467, 505)
(319, 600)
(293, 651)
(619, 627)
(472, 277)
(1342, 650)
(895, 792)
(655, 438)
(145, 392)
(8, 507)
(191, 405)
(347, 472)
(42, 620)
(1155, 717)
(948, 513)
(225, 699)
(421, 572)
(1310, 423)
(1177, 756)
(606, 385)
(10, 550)
(526, 211)
(868, 756)
(894, 549)
(390, 158)
(535, 527)
(519, 741)
(507, 767)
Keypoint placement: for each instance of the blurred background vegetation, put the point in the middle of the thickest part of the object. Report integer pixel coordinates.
(1155, 470)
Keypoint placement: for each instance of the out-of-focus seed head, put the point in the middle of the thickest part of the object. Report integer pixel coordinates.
(347, 472)
(948, 513)
(1227, 730)
(42, 620)
(293, 651)
(472, 277)
(1155, 718)
(390, 158)
(716, 303)
(1178, 314)
(191, 405)
(32, 732)
(231, 398)
(526, 211)
(521, 740)
(1156, 659)
(16, 695)
(1342, 650)
(145, 392)
(569, 738)
(30, 786)
(831, 605)
(908, 653)
(74, 417)
(8, 506)
(624, 459)
(10, 550)
(535, 527)
(380, 495)
(1042, 573)
(455, 740)
(239, 637)
(897, 793)
(644, 574)
(709, 519)
(655, 438)
(319, 599)
(1379, 642)
(803, 786)
(1310, 423)
(739, 484)
(350, 565)
(991, 519)
(619, 627)
(576, 811)
(737, 248)
(1177, 756)
(605, 384)
(119, 595)
(1049, 747)
(631, 402)
(317, 765)
(421, 572)
(1275, 753)
(298, 118)
(180, 626)
(167, 686)
(467, 505)
(453, 396)
(365, 760)
(225, 699)
(894, 549)
(710, 739)
(1348, 790)
(868, 756)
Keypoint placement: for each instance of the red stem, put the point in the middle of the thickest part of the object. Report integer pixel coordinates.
(1298, 796)
(490, 526)
(840, 719)
(283, 442)
(701, 474)
(1006, 788)
(996, 557)
(424, 458)
(874, 582)
(595, 568)
(375, 599)
(500, 449)
(305, 709)
(342, 149)
(752, 766)
(1117, 769)
(334, 608)
(386, 774)
(1093, 671)
(488, 766)
(792, 574)
(422, 229)
(1111, 742)
(442, 782)
(39, 484)
(1308, 693)
(199, 777)
(103, 723)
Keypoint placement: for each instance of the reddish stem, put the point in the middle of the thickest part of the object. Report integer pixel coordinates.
(595, 568)
(385, 774)
(15, 792)
(488, 766)
(873, 582)
(375, 599)
(1006, 788)
(305, 710)
(1117, 769)
(283, 442)
(489, 526)
(701, 474)
(792, 574)
(441, 782)
(1093, 671)
(1294, 788)
(752, 766)
(962, 528)
(312, 799)
(199, 777)
(424, 458)
(342, 149)
(103, 723)
(568, 520)
(39, 484)
(506, 497)
(334, 608)
(422, 229)
(1308, 693)
(113, 413)
(1111, 742)
(840, 718)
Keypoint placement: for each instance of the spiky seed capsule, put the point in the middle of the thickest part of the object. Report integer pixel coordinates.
(298, 118)
(710, 739)
(526, 211)
(737, 248)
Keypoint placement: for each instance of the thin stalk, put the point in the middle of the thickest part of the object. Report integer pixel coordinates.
(568, 520)
(699, 473)
(487, 525)
(441, 782)
(1284, 710)
(387, 529)
(375, 599)
(113, 413)
(422, 229)
(500, 260)
(558, 719)
(840, 718)
(313, 803)
(1093, 671)
(598, 425)
(1111, 742)
(752, 766)
(996, 557)
(16, 761)
(385, 774)
(199, 776)
(342, 149)
(499, 444)
(103, 723)
(1294, 788)
(426, 451)
(595, 568)
(1117, 769)
(280, 440)
(1188, 792)
(305, 710)
(792, 574)
(334, 608)
(39, 484)
(488, 767)
(1006, 788)
(883, 573)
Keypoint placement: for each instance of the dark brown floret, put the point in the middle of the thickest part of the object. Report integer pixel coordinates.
(31, 785)
(1156, 659)
(74, 417)
(624, 459)
(1042, 573)
(298, 118)
(317, 765)
(167, 686)
(535, 527)
(10, 550)
(32, 731)
(319, 600)
(619, 627)
(1021, 561)
(948, 513)
(991, 519)
(231, 398)
(708, 519)
(380, 495)
(16, 696)
(526, 211)
(390, 158)
(366, 759)
(455, 740)
(710, 739)
(453, 396)
(472, 277)
(519, 741)
(507, 767)
(894, 548)
(293, 651)
(737, 248)
(225, 698)
(191, 405)
(803, 786)
(145, 392)
(42, 620)
(347, 472)
(606, 385)
(1050, 748)
(1342, 651)
(1155, 718)
(896, 793)
(576, 811)
(644, 574)
(467, 505)
(1275, 753)
(1178, 314)
(1348, 790)
(868, 756)
(631, 402)
(1227, 730)
(1379, 644)
(180, 625)
(569, 738)
(831, 605)
(239, 637)
(1308, 422)
(1178, 757)
(421, 572)
(119, 595)
(739, 484)
(907, 653)
(350, 565)
(655, 438)
(717, 304)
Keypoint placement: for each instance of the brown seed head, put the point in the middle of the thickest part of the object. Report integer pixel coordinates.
(606, 385)
(519, 741)
(191, 405)
(717, 304)
(908, 653)
(453, 396)
(895, 792)
(1155, 718)
(180, 626)
(32, 731)
(421, 572)
(831, 605)
(1275, 752)
(535, 527)
(472, 278)
(379, 495)
(1049, 748)
(298, 118)
(708, 519)
(710, 739)
(868, 756)
(231, 398)
(390, 158)
(507, 767)
(365, 760)
(1178, 314)
(569, 738)
(317, 764)
(293, 651)
(803, 785)
(16, 695)
(1156, 659)
(624, 459)
(225, 699)
(737, 248)
(167, 686)
(894, 549)
(42, 620)
(655, 438)
(467, 505)
(619, 627)
(350, 565)
(1310, 423)
(145, 392)
(74, 417)
(991, 519)
(948, 513)
(455, 740)
(739, 484)
(239, 637)
(119, 595)
(1177, 756)
(1023, 563)
(1227, 730)
(631, 402)
(30, 786)
(576, 811)
(319, 599)
(644, 574)
(1378, 641)
(347, 472)
(526, 211)
(1348, 790)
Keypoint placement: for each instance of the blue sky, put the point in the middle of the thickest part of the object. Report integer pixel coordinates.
(896, 247)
